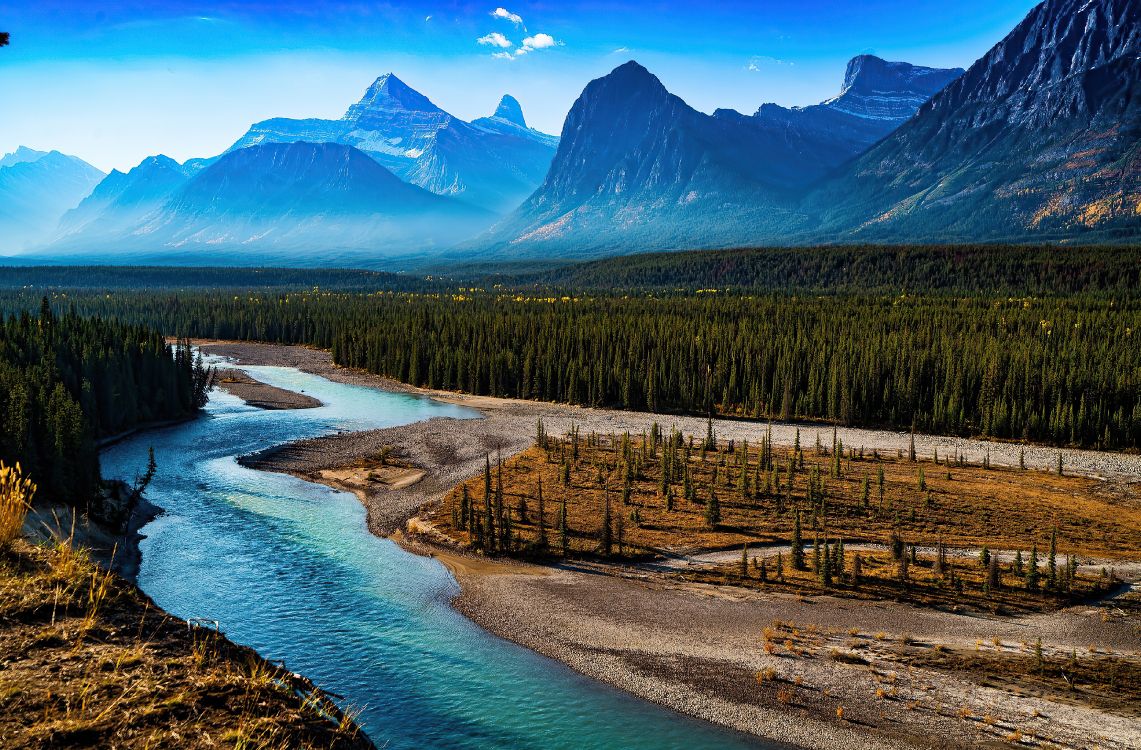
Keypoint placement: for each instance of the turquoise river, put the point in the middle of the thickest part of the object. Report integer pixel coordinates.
(289, 568)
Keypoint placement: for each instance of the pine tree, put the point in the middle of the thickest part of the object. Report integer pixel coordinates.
(745, 560)
(911, 448)
(797, 553)
(713, 510)
(542, 515)
(763, 572)
(489, 514)
(780, 567)
(465, 507)
(864, 491)
(824, 569)
(564, 531)
(816, 554)
(857, 569)
(1018, 565)
(1052, 561)
(1059, 464)
(1032, 569)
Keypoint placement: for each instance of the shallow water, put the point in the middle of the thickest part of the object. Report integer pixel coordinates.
(289, 568)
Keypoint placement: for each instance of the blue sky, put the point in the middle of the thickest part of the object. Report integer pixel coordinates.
(116, 82)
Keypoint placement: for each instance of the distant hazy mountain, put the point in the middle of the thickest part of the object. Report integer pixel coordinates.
(122, 201)
(21, 155)
(36, 189)
(494, 163)
(637, 168)
(1041, 138)
(303, 201)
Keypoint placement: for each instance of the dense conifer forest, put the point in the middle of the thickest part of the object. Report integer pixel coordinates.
(68, 381)
(1060, 370)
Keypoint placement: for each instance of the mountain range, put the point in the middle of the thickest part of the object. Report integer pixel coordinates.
(276, 201)
(36, 189)
(668, 176)
(494, 162)
(1040, 139)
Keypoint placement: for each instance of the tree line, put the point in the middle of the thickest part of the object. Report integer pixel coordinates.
(1063, 371)
(67, 381)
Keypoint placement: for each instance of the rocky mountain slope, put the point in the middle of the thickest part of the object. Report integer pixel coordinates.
(487, 164)
(1041, 138)
(637, 168)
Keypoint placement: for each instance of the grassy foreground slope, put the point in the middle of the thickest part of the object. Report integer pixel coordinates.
(87, 660)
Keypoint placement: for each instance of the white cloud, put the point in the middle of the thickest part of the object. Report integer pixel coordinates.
(757, 61)
(495, 39)
(507, 15)
(539, 41)
(503, 56)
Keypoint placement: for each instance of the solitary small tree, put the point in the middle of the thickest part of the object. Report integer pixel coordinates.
(1052, 561)
(797, 544)
(542, 515)
(713, 510)
(1032, 569)
(564, 532)
(745, 560)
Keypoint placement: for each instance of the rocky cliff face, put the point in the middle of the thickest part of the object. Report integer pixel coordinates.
(637, 165)
(494, 167)
(876, 89)
(1039, 138)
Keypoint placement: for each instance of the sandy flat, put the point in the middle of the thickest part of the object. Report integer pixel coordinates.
(259, 394)
(697, 648)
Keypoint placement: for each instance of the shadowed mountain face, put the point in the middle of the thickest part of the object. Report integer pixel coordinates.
(1039, 138)
(637, 166)
(493, 166)
(277, 198)
(36, 189)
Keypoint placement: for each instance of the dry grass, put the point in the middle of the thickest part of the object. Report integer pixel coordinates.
(90, 662)
(1001, 508)
(16, 492)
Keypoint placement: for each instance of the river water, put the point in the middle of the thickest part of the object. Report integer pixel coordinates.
(289, 568)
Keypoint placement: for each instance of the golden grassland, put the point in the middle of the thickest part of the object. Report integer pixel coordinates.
(88, 661)
(842, 493)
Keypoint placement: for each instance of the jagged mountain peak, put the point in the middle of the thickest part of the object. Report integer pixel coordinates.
(510, 111)
(389, 93)
(21, 155)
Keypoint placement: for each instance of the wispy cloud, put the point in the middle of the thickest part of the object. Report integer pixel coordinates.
(756, 62)
(495, 39)
(531, 43)
(507, 15)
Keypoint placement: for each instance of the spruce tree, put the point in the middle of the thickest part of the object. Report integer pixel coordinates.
(542, 517)
(1052, 561)
(564, 531)
(745, 560)
(1032, 569)
(713, 510)
(780, 567)
(606, 540)
(797, 544)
